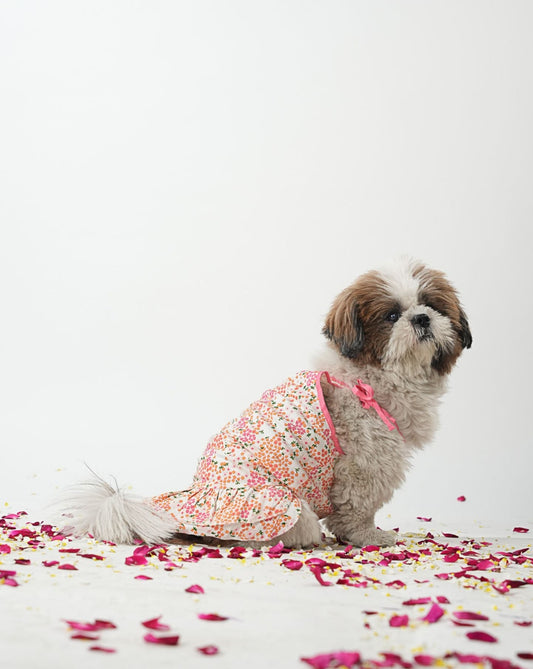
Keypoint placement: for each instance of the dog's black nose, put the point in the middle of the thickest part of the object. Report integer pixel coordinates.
(422, 320)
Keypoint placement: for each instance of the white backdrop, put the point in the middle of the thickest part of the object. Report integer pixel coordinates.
(185, 186)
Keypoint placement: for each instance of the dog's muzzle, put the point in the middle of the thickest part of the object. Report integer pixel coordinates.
(422, 326)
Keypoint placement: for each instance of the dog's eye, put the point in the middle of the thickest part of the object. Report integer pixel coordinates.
(392, 316)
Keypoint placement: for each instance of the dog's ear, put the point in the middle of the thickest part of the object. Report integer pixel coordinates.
(343, 325)
(464, 331)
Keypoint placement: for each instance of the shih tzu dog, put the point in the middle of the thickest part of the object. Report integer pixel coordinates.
(331, 444)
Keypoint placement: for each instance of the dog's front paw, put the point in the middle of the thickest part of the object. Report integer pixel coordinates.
(373, 537)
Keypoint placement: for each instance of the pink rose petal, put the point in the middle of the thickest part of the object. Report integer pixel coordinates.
(85, 637)
(50, 563)
(481, 636)
(208, 650)
(154, 624)
(468, 658)
(4, 549)
(317, 573)
(426, 520)
(102, 649)
(424, 660)
(293, 565)
(211, 616)
(142, 577)
(417, 602)
(469, 615)
(91, 627)
(461, 498)
(399, 621)
(163, 640)
(68, 567)
(435, 613)
(339, 659)
(195, 589)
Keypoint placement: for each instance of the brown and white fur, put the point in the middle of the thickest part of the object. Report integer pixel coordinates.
(401, 330)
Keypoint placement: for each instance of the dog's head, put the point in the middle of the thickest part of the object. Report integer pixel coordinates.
(406, 317)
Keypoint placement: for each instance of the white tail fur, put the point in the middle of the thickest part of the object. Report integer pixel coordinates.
(110, 514)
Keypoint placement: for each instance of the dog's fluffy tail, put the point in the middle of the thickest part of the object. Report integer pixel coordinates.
(111, 514)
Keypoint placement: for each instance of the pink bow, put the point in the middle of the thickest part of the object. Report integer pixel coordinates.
(365, 393)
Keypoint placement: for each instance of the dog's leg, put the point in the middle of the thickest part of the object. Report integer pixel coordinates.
(355, 500)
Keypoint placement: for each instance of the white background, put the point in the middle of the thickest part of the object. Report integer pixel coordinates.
(185, 186)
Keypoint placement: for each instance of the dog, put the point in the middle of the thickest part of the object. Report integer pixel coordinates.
(331, 445)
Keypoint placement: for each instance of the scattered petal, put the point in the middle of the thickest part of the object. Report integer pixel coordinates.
(294, 565)
(424, 660)
(50, 563)
(525, 656)
(426, 520)
(142, 577)
(521, 529)
(195, 589)
(481, 636)
(416, 602)
(102, 649)
(163, 640)
(85, 637)
(211, 616)
(339, 659)
(461, 498)
(469, 615)
(208, 650)
(435, 613)
(154, 624)
(68, 567)
(399, 621)
(525, 623)
(91, 627)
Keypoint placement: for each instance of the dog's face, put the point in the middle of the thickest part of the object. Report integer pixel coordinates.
(407, 317)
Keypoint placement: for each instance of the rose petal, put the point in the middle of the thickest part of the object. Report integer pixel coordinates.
(4, 549)
(154, 624)
(68, 567)
(339, 659)
(481, 636)
(142, 577)
(525, 656)
(294, 565)
(208, 650)
(23, 562)
(195, 589)
(424, 660)
(441, 599)
(521, 529)
(461, 498)
(469, 615)
(317, 573)
(102, 649)
(50, 563)
(211, 616)
(525, 623)
(85, 637)
(90, 556)
(399, 621)
(468, 658)
(91, 627)
(235, 553)
(163, 640)
(416, 602)
(435, 613)
(426, 520)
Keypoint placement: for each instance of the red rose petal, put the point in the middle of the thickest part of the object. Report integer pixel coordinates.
(23, 562)
(195, 589)
(294, 565)
(481, 636)
(4, 549)
(521, 529)
(317, 573)
(208, 650)
(142, 577)
(91, 627)
(424, 660)
(211, 616)
(525, 623)
(525, 656)
(68, 567)
(163, 640)
(426, 520)
(461, 498)
(85, 637)
(416, 602)
(154, 624)
(399, 621)
(469, 615)
(50, 563)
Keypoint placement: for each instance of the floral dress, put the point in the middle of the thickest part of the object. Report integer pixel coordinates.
(254, 473)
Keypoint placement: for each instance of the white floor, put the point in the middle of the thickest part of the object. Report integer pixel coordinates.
(275, 616)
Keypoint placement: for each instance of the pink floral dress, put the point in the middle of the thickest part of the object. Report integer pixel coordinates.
(253, 474)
